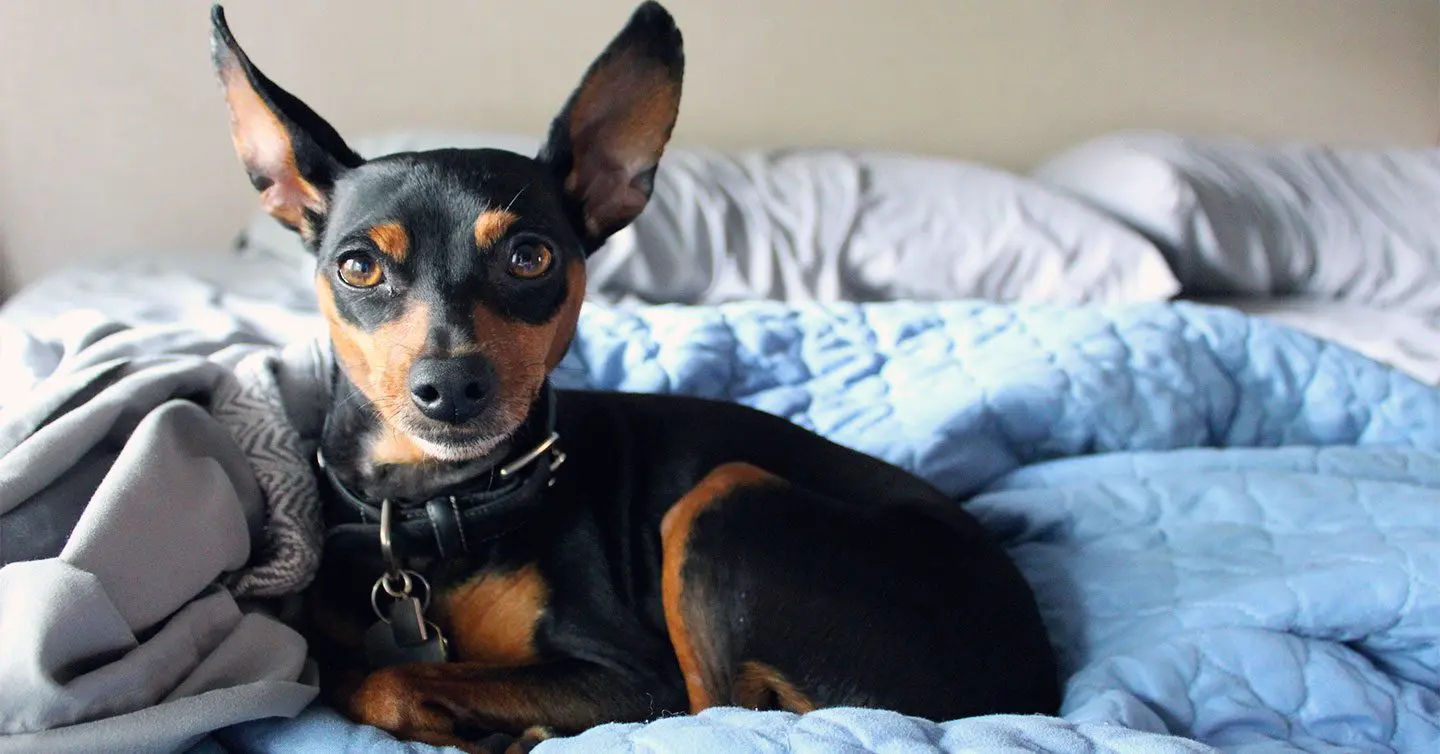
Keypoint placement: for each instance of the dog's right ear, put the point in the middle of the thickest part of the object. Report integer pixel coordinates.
(292, 155)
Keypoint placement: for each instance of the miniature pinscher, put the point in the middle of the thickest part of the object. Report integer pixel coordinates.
(505, 561)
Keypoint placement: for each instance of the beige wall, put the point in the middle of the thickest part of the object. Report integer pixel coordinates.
(113, 137)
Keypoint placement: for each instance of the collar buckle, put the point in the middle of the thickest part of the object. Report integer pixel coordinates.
(520, 463)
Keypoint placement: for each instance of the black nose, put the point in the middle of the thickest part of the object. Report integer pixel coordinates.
(453, 390)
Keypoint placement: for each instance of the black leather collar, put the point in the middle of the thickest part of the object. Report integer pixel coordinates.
(451, 525)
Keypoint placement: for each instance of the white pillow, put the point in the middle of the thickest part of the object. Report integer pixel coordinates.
(1242, 218)
(827, 226)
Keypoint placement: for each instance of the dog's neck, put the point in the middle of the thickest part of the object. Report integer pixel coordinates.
(350, 420)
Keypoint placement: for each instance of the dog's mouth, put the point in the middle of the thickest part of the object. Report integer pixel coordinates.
(447, 442)
(469, 441)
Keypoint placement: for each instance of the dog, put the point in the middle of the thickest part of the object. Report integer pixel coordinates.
(505, 561)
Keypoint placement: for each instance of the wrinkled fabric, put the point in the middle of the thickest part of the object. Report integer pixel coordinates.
(151, 487)
(1239, 218)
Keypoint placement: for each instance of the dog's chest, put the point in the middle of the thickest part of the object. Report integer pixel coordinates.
(491, 617)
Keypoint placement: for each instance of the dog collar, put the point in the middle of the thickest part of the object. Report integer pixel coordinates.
(446, 526)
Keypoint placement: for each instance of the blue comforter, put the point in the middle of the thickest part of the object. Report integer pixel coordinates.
(1233, 529)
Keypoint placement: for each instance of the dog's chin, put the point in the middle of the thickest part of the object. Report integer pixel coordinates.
(458, 444)
(458, 451)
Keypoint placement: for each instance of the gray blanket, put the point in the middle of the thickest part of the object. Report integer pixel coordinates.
(153, 489)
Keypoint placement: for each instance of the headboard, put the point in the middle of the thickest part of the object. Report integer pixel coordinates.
(113, 136)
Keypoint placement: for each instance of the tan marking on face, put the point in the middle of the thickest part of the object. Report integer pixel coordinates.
(524, 353)
(378, 362)
(491, 618)
(693, 649)
(491, 225)
(392, 240)
(568, 318)
(391, 447)
(265, 149)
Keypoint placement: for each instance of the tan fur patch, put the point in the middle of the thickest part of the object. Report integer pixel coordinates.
(491, 225)
(491, 618)
(524, 353)
(377, 362)
(568, 317)
(692, 650)
(392, 240)
(393, 699)
(391, 447)
(759, 686)
(420, 702)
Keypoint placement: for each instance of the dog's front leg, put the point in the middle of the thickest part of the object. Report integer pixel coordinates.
(460, 704)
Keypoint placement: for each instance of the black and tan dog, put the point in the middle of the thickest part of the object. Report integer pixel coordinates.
(688, 553)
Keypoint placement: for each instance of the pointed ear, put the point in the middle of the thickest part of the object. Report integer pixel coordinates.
(604, 146)
(292, 155)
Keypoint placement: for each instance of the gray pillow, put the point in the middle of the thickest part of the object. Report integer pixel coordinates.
(827, 226)
(1240, 218)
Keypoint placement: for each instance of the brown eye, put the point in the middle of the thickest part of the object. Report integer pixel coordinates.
(529, 261)
(360, 271)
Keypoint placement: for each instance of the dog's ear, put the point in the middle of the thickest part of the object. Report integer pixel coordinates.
(292, 155)
(606, 142)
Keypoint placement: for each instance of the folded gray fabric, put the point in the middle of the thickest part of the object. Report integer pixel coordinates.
(147, 498)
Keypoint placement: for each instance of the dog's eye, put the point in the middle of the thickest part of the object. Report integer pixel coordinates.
(360, 271)
(529, 261)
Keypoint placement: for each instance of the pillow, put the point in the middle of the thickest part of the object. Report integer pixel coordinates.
(828, 226)
(1240, 218)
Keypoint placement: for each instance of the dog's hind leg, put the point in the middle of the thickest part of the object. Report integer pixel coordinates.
(777, 597)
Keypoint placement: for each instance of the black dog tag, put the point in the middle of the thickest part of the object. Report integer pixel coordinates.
(407, 637)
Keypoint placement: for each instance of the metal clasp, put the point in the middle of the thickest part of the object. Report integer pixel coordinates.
(397, 582)
(387, 551)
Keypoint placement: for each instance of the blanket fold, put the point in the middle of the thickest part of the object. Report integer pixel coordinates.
(144, 497)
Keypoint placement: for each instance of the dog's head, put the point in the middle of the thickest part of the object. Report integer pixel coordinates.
(452, 279)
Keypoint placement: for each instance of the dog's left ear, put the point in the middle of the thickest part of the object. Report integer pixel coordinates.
(292, 155)
(605, 145)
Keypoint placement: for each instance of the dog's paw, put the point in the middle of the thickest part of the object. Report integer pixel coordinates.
(395, 700)
(390, 701)
(500, 743)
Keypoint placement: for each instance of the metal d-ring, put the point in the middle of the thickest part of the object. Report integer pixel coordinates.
(407, 584)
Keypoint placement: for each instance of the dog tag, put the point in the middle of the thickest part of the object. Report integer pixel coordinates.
(406, 637)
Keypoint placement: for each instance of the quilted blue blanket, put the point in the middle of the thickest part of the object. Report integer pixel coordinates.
(1233, 529)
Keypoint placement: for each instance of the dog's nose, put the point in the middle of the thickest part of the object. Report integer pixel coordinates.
(452, 390)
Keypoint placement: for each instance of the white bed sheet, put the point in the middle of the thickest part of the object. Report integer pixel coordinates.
(1406, 340)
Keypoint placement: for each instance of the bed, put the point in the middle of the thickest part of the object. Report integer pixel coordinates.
(1223, 495)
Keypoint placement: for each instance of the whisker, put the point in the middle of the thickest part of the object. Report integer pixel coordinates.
(513, 199)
